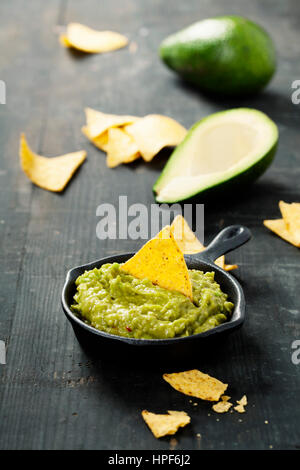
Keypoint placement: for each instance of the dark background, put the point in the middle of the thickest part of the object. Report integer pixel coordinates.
(52, 395)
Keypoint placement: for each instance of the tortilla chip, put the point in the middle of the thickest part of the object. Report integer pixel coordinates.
(222, 406)
(291, 216)
(189, 243)
(279, 227)
(243, 401)
(161, 261)
(154, 132)
(100, 142)
(90, 40)
(185, 237)
(98, 122)
(121, 148)
(196, 384)
(220, 262)
(52, 174)
(162, 425)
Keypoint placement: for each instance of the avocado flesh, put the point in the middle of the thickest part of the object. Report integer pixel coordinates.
(222, 149)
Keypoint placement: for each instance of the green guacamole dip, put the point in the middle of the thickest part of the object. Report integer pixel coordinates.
(118, 303)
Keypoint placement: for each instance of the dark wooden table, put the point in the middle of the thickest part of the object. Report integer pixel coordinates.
(53, 396)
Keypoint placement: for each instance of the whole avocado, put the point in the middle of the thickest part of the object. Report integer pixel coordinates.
(228, 55)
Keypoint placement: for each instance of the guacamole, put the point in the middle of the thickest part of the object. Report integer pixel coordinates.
(118, 303)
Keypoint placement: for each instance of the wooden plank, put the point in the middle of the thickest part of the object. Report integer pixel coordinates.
(53, 396)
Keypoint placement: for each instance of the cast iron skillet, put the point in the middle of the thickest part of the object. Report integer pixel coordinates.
(107, 345)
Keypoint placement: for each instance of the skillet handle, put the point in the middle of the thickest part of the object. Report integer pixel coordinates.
(227, 240)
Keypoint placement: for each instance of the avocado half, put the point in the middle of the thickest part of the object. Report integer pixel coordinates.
(225, 150)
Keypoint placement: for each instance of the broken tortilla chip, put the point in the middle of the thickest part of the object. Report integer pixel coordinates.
(164, 424)
(154, 132)
(120, 148)
(97, 122)
(52, 174)
(189, 243)
(86, 39)
(196, 384)
(161, 261)
(222, 406)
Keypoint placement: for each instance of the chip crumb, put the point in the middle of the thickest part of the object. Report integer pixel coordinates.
(266, 421)
(243, 401)
(225, 398)
(222, 406)
(239, 408)
(173, 443)
(198, 434)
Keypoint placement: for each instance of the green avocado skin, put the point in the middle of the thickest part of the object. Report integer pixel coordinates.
(228, 55)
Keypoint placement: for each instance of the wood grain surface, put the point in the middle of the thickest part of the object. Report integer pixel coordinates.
(52, 395)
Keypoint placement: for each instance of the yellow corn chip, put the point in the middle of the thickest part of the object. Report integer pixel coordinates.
(185, 237)
(279, 227)
(220, 262)
(161, 261)
(162, 425)
(98, 122)
(121, 148)
(196, 384)
(52, 174)
(100, 142)
(154, 132)
(90, 40)
(222, 406)
(189, 243)
(291, 216)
